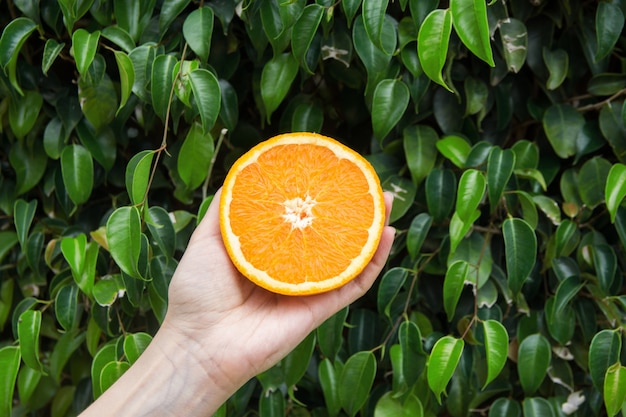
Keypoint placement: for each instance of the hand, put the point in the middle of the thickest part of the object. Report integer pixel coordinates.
(220, 330)
(210, 299)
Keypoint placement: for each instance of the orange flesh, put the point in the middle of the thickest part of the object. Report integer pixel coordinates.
(337, 231)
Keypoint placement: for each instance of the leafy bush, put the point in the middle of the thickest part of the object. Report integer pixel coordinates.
(500, 127)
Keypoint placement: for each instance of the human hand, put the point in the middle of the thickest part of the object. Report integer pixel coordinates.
(211, 301)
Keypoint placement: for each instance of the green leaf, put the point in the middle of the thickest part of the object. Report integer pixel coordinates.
(276, 79)
(566, 237)
(123, 232)
(615, 189)
(403, 191)
(73, 249)
(23, 215)
(375, 60)
(304, 30)
(442, 363)
(229, 108)
(51, 51)
(562, 124)
(207, 96)
(374, 18)
(195, 156)
(120, 37)
(549, 207)
(106, 354)
(592, 180)
(143, 59)
(557, 62)
(537, 407)
(307, 117)
(526, 154)
(420, 150)
(27, 380)
(469, 193)
(133, 16)
(66, 307)
(520, 244)
(13, 38)
(127, 76)
(390, 285)
(453, 283)
(170, 11)
(198, 31)
(29, 164)
(505, 407)
(566, 291)
(499, 170)
(24, 112)
(138, 173)
(469, 18)
(604, 351)
(389, 406)
(329, 382)
(416, 235)
(295, 364)
(455, 148)
(10, 364)
(135, 344)
(85, 46)
(514, 36)
(613, 128)
(391, 98)
(414, 357)
(432, 44)
(496, 348)
(355, 381)
(330, 334)
(78, 173)
(609, 25)
(28, 328)
(459, 228)
(111, 373)
(614, 388)
(605, 263)
(533, 360)
(161, 230)
(161, 84)
(439, 199)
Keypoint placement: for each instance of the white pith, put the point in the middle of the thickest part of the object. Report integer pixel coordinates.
(299, 212)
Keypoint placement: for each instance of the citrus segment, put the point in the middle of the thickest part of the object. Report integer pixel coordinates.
(301, 214)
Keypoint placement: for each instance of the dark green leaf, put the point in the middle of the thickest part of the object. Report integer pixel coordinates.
(499, 170)
(432, 41)
(330, 334)
(63, 350)
(592, 180)
(170, 11)
(27, 380)
(416, 235)
(138, 173)
(329, 381)
(78, 173)
(162, 230)
(605, 263)
(161, 83)
(111, 373)
(198, 31)
(24, 112)
(557, 62)
(355, 381)
(23, 215)
(307, 117)
(420, 150)
(514, 36)
(120, 37)
(609, 25)
(50, 53)
(66, 307)
(13, 38)
(195, 156)
(374, 18)
(520, 244)
(403, 191)
(438, 196)
(10, 364)
(390, 285)
(304, 30)
(505, 407)
(533, 360)
(391, 98)
(28, 329)
(453, 284)
(537, 407)
(29, 164)
(276, 79)
(207, 96)
(562, 124)
(127, 76)
(123, 232)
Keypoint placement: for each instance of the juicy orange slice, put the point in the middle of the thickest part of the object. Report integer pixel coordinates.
(301, 214)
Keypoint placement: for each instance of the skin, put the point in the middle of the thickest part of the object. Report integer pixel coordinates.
(221, 330)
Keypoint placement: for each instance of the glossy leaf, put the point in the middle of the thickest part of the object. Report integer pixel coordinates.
(388, 406)
(391, 284)
(29, 164)
(10, 364)
(207, 96)
(469, 18)
(557, 62)
(304, 29)
(28, 330)
(138, 173)
(78, 173)
(604, 351)
(605, 263)
(520, 244)
(66, 307)
(329, 382)
(496, 348)
(161, 230)
(123, 232)
(374, 18)
(615, 189)
(533, 360)
(537, 407)
(27, 381)
(13, 38)
(403, 191)
(307, 117)
(416, 235)
(111, 372)
(455, 148)
(566, 291)
(272, 404)
(375, 60)
(470, 193)
(23, 113)
(432, 41)
(135, 344)
(391, 98)
(127, 76)
(134, 16)
(514, 36)
(438, 196)
(459, 228)
(67, 344)
(24, 213)
(195, 156)
(609, 25)
(161, 84)
(420, 150)
(329, 334)
(414, 357)
(120, 37)
(499, 170)
(84, 45)
(614, 388)
(453, 284)
(198, 31)
(356, 380)
(170, 11)
(562, 124)
(276, 79)
(442, 363)
(592, 180)
(51, 51)
(229, 106)
(505, 407)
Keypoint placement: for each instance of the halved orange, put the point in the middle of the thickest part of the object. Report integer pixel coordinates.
(301, 214)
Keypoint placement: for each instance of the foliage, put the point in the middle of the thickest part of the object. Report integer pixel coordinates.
(499, 126)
